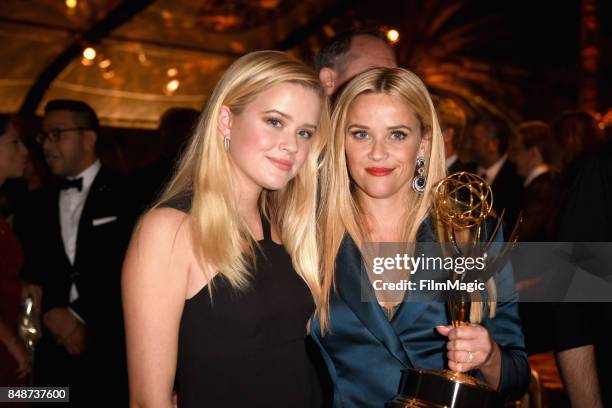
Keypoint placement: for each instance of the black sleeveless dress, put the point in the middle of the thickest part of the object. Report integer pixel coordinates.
(247, 348)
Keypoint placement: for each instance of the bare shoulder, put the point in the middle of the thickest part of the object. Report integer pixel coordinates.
(162, 221)
(161, 242)
(162, 250)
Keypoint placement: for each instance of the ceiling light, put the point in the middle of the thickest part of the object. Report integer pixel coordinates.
(393, 36)
(172, 86)
(89, 53)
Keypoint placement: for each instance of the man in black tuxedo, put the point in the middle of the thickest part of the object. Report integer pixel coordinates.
(533, 150)
(489, 138)
(75, 233)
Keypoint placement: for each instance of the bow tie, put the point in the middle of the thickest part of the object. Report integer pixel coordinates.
(66, 184)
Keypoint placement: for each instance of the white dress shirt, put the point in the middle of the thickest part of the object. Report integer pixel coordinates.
(535, 172)
(71, 203)
(490, 173)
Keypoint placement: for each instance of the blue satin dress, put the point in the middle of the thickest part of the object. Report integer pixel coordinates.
(365, 352)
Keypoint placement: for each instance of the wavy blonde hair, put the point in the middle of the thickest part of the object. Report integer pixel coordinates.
(339, 211)
(221, 238)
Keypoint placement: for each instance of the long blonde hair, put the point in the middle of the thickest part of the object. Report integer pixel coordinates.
(339, 211)
(221, 238)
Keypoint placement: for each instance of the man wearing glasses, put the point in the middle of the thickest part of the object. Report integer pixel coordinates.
(75, 235)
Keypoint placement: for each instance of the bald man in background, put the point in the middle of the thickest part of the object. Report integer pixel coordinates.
(351, 53)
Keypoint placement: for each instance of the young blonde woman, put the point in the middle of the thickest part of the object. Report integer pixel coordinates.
(385, 129)
(221, 276)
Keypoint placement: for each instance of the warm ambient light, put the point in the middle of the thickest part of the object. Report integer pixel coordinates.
(108, 74)
(172, 86)
(104, 63)
(71, 3)
(172, 72)
(89, 53)
(393, 36)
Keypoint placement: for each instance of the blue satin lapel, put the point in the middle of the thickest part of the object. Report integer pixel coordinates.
(352, 282)
(407, 314)
(410, 311)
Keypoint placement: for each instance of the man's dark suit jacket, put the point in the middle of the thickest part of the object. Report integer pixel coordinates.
(103, 234)
(586, 216)
(507, 194)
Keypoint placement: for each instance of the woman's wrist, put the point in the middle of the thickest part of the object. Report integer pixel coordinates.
(494, 356)
(491, 368)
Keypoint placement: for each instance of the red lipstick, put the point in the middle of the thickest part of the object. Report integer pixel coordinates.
(378, 171)
(282, 164)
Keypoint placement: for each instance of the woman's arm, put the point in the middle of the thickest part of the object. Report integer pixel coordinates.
(505, 330)
(154, 282)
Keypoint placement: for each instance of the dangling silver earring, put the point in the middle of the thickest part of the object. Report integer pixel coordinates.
(226, 143)
(419, 181)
